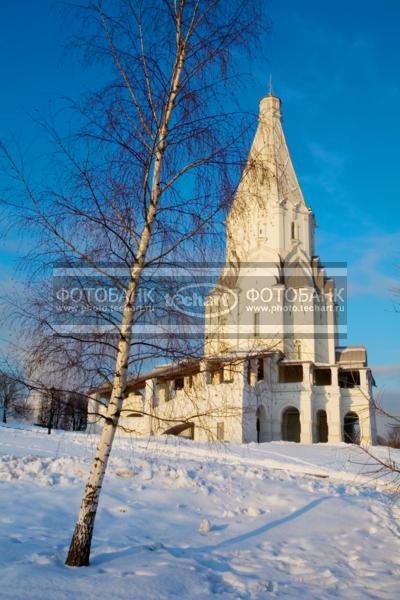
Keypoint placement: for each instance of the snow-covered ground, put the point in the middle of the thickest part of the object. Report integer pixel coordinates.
(179, 519)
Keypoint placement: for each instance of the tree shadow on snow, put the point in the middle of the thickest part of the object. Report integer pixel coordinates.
(201, 553)
(244, 537)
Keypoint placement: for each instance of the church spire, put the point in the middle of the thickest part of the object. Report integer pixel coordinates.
(269, 186)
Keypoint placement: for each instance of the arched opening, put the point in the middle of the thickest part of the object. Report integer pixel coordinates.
(352, 428)
(260, 369)
(322, 427)
(185, 430)
(291, 425)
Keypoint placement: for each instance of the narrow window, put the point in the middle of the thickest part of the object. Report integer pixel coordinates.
(220, 432)
(260, 369)
(297, 349)
(293, 231)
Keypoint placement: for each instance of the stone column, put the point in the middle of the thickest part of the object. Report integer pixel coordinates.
(275, 414)
(148, 405)
(306, 412)
(278, 319)
(365, 415)
(276, 425)
(334, 412)
(96, 411)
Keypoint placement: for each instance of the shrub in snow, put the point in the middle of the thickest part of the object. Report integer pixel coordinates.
(205, 526)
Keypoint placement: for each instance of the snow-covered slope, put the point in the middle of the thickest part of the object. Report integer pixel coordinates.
(180, 519)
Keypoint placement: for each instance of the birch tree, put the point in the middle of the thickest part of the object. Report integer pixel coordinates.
(150, 171)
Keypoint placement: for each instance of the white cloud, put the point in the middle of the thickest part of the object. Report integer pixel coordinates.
(373, 263)
(389, 400)
(386, 369)
(327, 156)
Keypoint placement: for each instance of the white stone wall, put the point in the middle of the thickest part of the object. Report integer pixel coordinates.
(240, 399)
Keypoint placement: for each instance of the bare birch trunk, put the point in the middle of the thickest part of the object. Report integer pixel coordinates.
(79, 551)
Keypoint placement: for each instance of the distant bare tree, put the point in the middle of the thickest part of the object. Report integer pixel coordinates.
(51, 409)
(12, 396)
(75, 414)
(62, 410)
(389, 465)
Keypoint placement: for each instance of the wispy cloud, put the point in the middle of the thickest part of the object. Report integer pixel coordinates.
(329, 167)
(373, 262)
(386, 369)
(389, 400)
(326, 156)
(369, 269)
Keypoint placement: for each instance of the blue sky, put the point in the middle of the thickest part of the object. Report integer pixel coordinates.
(335, 65)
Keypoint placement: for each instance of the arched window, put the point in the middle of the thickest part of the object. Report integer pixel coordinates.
(291, 425)
(351, 428)
(322, 427)
(293, 231)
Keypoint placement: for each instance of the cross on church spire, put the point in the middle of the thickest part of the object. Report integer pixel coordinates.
(270, 85)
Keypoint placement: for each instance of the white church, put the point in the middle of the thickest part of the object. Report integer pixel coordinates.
(273, 368)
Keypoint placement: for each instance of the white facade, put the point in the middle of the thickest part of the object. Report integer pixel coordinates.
(272, 368)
